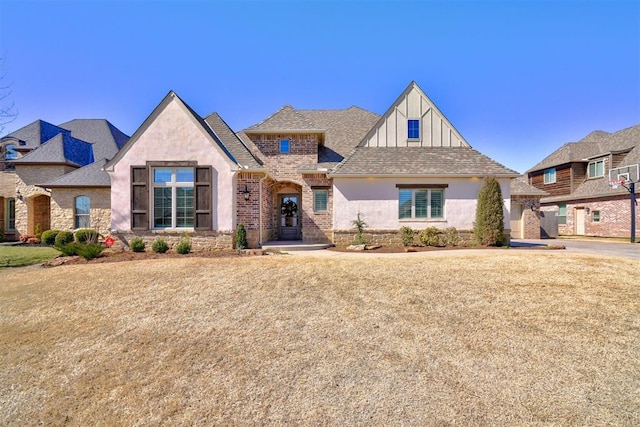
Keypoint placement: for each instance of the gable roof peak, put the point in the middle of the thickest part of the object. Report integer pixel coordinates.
(285, 119)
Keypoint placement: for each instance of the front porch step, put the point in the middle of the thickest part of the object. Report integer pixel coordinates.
(294, 245)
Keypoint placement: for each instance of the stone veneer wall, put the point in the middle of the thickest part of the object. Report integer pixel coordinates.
(63, 208)
(27, 176)
(200, 240)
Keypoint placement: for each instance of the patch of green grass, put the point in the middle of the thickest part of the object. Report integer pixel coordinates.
(20, 256)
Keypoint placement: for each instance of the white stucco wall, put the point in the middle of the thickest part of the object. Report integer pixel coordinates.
(175, 136)
(377, 200)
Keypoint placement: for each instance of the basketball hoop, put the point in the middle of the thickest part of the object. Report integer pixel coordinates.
(615, 183)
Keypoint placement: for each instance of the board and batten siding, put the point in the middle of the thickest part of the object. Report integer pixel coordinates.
(435, 129)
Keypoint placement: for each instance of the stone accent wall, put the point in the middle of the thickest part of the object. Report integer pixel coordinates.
(615, 217)
(200, 241)
(63, 208)
(27, 176)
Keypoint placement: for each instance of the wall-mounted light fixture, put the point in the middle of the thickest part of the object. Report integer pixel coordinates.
(246, 192)
(587, 210)
(19, 196)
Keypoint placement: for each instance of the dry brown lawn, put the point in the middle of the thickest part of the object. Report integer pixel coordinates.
(497, 338)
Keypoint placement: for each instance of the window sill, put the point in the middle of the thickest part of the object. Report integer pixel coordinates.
(172, 230)
(422, 220)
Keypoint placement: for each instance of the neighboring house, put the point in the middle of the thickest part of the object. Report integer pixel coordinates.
(52, 177)
(298, 175)
(577, 176)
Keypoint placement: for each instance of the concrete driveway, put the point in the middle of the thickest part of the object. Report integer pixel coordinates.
(627, 250)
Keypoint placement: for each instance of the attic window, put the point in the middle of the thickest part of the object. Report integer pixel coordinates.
(596, 169)
(413, 129)
(285, 146)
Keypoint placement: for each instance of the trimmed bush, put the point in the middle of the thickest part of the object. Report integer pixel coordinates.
(63, 238)
(184, 247)
(489, 226)
(430, 236)
(49, 237)
(451, 237)
(89, 250)
(406, 236)
(159, 246)
(70, 249)
(241, 237)
(137, 244)
(86, 235)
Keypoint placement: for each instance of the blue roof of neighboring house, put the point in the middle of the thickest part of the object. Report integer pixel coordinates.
(35, 134)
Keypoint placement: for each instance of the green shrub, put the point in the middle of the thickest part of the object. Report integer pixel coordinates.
(159, 246)
(489, 225)
(49, 237)
(137, 244)
(451, 237)
(430, 236)
(241, 237)
(184, 247)
(89, 250)
(1, 235)
(86, 235)
(406, 236)
(38, 231)
(360, 225)
(69, 249)
(63, 238)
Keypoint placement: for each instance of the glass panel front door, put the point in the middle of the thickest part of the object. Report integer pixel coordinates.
(289, 217)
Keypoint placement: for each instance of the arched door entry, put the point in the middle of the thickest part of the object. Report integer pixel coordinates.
(289, 225)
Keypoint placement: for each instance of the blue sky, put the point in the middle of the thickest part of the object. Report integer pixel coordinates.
(516, 78)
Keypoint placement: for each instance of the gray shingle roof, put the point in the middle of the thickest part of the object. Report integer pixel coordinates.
(234, 144)
(106, 138)
(35, 134)
(61, 149)
(285, 119)
(91, 175)
(344, 130)
(594, 144)
(520, 187)
(425, 161)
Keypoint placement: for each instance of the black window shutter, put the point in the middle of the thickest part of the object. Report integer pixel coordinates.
(139, 198)
(203, 198)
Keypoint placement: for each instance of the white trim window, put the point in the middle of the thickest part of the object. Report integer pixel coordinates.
(420, 203)
(596, 168)
(82, 212)
(173, 198)
(550, 176)
(413, 129)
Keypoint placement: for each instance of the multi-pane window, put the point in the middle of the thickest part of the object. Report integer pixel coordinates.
(320, 200)
(550, 176)
(421, 203)
(285, 146)
(83, 209)
(596, 169)
(596, 216)
(11, 214)
(413, 129)
(173, 198)
(562, 213)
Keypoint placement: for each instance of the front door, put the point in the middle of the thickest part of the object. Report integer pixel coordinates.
(289, 217)
(580, 218)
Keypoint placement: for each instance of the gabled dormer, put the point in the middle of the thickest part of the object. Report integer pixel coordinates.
(413, 120)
